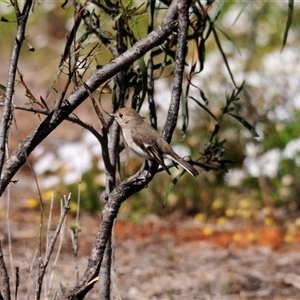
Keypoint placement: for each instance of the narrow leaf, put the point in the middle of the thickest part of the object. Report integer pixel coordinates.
(151, 11)
(4, 20)
(117, 17)
(223, 55)
(66, 5)
(229, 38)
(195, 53)
(2, 88)
(172, 185)
(143, 70)
(185, 115)
(203, 107)
(201, 93)
(288, 22)
(245, 124)
(201, 52)
(245, 4)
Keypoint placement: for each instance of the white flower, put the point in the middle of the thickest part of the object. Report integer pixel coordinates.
(252, 166)
(252, 150)
(291, 149)
(46, 162)
(235, 177)
(50, 182)
(93, 145)
(269, 163)
(76, 160)
(296, 101)
(287, 180)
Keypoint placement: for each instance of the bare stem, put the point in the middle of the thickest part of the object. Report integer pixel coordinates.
(4, 277)
(183, 25)
(10, 85)
(52, 240)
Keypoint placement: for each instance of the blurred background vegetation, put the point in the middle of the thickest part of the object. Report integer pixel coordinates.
(262, 183)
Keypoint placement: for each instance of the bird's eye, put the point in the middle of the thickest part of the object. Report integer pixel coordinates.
(121, 115)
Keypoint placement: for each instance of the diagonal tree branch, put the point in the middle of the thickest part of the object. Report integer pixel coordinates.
(20, 154)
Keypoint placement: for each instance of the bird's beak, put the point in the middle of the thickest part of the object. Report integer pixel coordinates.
(112, 115)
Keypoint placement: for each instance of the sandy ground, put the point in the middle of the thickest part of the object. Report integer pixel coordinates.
(160, 259)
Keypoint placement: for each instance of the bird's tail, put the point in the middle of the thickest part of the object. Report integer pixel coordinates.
(187, 166)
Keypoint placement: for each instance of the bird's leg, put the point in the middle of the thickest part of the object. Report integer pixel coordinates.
(146, 166)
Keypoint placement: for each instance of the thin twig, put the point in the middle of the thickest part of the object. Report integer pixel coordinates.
(74, 230)
(61, 239)
(9, 239)
(4, 276)
(74, 119)
(30, 272)
(150, 92)
(10, 85)
(17, 282)
(52, 240)
(109, 166)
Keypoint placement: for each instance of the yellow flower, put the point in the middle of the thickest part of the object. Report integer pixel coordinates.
(244, 213)
(269, 221)
(297, 222)
(217, 204)
(32, 203)
(230, 212)
(252, 237)
(289, 238)
(200, 217)
(267, 211)
(237, 237)
(208, 231)
(48, 195)
(73, 207)
(222, 220)
(244, 203)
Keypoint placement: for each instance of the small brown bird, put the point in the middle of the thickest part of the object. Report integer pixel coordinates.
(145, 141)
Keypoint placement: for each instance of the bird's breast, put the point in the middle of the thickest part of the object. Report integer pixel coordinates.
(132, 145)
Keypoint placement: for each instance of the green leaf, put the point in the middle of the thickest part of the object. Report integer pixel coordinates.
(65, 5)
(228, 38)
(3, 88)
(201, 51)
(223, 55)
(245, 4)
(117, 17)
(172, 185)
(143, 69)
(201, 93)
(4, 20)
(288, 22)
(151, 11)
(245, 124)
(203, 107)
(185, 115)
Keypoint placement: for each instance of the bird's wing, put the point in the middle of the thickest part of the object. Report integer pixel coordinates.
(151, 148)
(155, 154)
